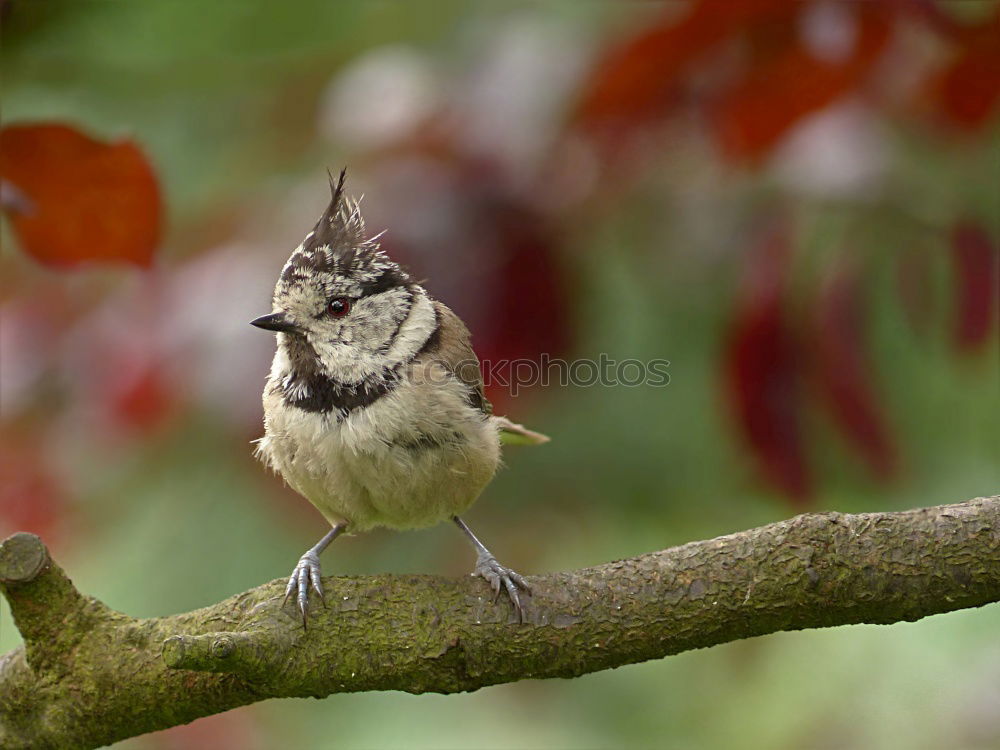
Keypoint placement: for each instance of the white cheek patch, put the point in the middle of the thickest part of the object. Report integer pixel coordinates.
(359, 354)
(415, 330)
(280, 362)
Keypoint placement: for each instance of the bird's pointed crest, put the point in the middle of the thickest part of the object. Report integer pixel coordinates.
(337, 244)
(341, 226)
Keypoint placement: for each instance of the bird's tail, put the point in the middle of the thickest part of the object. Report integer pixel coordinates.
(517, 434)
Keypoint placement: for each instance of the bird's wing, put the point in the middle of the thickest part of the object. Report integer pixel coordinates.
(453, 348)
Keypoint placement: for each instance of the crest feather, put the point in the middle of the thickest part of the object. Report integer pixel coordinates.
(341, 225)
(337, 245)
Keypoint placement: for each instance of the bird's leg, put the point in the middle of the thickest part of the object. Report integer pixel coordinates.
(307, 572)
(495, 573)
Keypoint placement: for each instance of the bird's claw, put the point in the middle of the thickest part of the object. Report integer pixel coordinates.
(501, 578)
(307, 573)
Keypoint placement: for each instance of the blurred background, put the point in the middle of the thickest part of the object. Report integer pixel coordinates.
(796, 203)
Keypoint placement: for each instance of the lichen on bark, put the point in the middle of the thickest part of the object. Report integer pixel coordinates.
(87, 675)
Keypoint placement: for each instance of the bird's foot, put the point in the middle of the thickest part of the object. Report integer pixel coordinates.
(500, 577)
(306, 573)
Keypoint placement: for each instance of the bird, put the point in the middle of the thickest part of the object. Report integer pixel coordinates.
(374, 407)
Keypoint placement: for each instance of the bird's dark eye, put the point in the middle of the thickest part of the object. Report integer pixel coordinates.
(339, 307)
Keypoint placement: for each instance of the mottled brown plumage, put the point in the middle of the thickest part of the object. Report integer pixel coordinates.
(453, 347)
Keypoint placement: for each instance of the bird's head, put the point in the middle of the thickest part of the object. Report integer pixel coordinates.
(340, 301)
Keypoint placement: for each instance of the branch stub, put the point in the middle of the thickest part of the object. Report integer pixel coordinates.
(22, 557)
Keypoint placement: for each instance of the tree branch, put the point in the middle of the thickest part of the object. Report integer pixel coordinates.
(88, 675)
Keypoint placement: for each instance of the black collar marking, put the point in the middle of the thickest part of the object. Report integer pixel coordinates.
(327, 395)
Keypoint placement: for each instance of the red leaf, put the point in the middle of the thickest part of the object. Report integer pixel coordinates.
(72, 199)
(975, 262)
(844, 376)
(762, 369)
(526, 269)
(753, 116)
(968, 90)
(636, 80)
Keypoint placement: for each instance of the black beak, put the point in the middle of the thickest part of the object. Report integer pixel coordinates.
(275, 322)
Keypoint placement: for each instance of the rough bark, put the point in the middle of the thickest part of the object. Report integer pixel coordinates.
(87, 675)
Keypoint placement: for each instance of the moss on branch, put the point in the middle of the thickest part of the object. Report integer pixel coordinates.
(88, 675)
